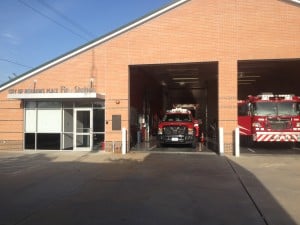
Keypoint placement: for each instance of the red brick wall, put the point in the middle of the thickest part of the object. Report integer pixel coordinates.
(197, 31)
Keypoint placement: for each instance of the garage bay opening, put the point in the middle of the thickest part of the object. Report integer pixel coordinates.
(158, 88)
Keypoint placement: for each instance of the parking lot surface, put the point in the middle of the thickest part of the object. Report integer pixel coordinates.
(147, 188)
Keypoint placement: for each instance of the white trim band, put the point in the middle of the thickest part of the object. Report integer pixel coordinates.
(89, 95)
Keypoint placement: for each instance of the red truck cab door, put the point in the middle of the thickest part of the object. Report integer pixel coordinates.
(244, 118)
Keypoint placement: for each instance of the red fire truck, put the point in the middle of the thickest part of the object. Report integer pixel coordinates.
(178, 127)
(269, 118)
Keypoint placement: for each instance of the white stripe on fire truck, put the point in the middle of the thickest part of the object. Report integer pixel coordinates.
(277, 137)
(243, 129)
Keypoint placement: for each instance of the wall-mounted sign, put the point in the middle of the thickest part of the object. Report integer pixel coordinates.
(62, 89)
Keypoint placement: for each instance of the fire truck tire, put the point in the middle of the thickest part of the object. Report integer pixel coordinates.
(250, 142)
(292, 145)
(159, 145)
(194, 144)
(247, 141)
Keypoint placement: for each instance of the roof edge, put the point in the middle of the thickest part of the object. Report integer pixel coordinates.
(92, 44)
(292, 2)
(295, 1)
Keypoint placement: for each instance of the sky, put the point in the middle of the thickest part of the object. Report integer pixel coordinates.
(33, 32)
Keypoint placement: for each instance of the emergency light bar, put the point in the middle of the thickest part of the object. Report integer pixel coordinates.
(272, 96)
(179, 110)
(265, 97)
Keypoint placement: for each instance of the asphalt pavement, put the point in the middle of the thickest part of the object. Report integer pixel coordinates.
(148, 188)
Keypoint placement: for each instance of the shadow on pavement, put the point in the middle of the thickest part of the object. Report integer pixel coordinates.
(275, 148)
(138, 188)
(268, 207)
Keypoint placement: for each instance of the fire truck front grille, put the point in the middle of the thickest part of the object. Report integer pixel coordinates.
(279, 124)
(175, 130)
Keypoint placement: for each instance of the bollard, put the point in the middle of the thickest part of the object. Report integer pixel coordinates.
(138, 135)
(124, 143)
(202, 141)
(221, 141)
(237, 142)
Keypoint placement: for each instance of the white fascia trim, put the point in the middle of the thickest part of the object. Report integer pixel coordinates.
(295, 1)
(112, 35)
(91, 95)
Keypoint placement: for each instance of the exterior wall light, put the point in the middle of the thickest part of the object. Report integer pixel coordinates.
(91, 82)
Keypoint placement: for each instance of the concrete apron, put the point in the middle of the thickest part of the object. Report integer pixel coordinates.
(273, 183)
(136, 188)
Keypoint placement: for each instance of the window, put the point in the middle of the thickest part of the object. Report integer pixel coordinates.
(50, 124)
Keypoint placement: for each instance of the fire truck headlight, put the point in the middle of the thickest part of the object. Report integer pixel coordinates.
(256, 124)
(298, 124)
(190, 131)
(159, 131)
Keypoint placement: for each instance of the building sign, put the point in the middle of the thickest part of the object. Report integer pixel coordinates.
(62, 92)
(62, 89)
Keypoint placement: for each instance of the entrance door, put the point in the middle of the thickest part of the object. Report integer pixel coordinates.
(83, 129)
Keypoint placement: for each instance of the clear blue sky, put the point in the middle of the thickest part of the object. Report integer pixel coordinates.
(33, 32)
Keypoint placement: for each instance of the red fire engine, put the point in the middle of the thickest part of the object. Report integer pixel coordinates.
(269, 118)
(178, 127)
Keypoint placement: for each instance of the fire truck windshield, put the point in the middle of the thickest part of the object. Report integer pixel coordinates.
(177, 117)
(243, 109)
(275, 108)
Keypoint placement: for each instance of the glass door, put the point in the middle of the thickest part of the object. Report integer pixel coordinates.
(83, 121)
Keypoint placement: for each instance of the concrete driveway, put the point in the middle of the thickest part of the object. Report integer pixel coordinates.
(147, 188)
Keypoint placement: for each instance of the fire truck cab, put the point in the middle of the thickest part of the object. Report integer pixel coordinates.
(178, 127)
(269, 118)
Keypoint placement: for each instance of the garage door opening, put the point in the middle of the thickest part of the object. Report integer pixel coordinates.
(155, 88)
(271, 114)
(277, 76)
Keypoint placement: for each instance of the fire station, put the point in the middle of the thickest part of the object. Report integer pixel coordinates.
(206, 53)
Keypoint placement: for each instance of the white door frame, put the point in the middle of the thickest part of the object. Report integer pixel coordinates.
(88, 133)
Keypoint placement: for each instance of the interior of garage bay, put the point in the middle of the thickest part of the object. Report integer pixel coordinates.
(155, 88)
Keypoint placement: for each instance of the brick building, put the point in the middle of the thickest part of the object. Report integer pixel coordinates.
(190, 51)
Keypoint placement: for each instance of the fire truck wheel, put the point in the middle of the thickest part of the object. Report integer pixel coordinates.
(194, 144)
(247, 141)
(292, 145)
(251, 143)
(159, 145)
